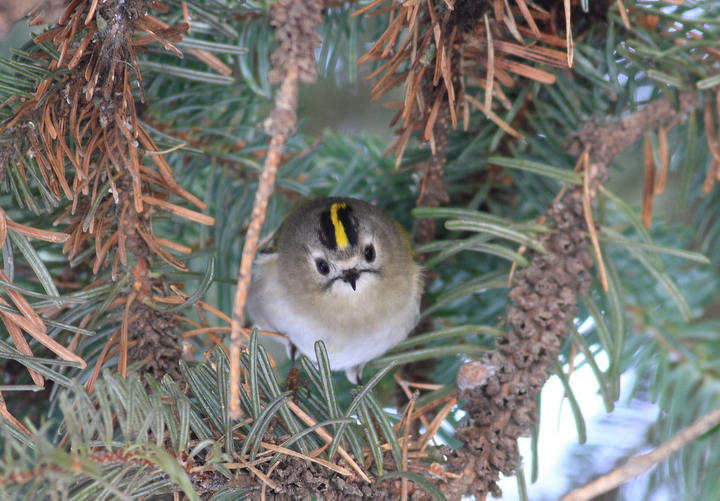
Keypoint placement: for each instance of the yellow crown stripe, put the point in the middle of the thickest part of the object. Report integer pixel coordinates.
(340, 235)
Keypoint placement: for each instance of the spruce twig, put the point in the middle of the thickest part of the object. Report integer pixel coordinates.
(294, 60)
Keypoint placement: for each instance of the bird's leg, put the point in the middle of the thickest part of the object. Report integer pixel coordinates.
(293, 354)
(354, 374)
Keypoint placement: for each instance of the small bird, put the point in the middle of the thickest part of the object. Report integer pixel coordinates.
(341, 271)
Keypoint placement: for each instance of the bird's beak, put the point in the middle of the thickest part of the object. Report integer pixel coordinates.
(350, 276)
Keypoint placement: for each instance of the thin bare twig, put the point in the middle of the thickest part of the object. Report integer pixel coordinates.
(293, 61)
(490, 67)
(404, 423)
(568, 34)
(286, 102)
(640, 464)
(587, 209)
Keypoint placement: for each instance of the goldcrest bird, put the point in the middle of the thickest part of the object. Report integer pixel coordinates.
(342, 271)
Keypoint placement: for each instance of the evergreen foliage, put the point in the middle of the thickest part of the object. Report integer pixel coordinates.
(131, 147)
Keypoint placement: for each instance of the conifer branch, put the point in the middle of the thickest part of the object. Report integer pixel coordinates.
(639, 465)
(294, 60)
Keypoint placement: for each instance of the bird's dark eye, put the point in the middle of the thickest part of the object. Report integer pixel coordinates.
(322, 266)
(370, 253)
